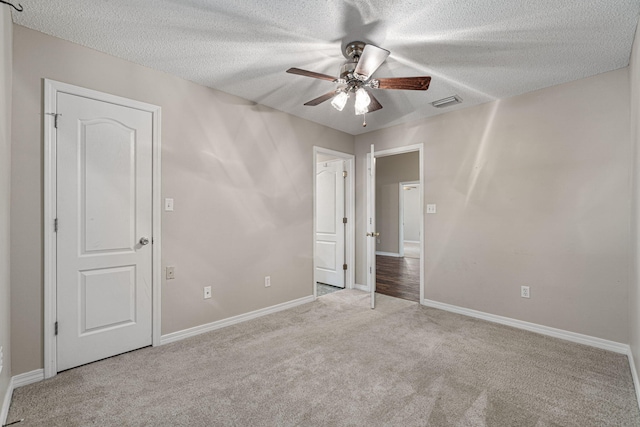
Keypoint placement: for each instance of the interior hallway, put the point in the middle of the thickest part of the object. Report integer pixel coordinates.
(400, 277)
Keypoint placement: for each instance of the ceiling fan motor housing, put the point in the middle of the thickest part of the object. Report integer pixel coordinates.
(347, 69)
(353, 52)
(354, 49)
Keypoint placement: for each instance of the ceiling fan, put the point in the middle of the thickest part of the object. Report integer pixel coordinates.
(356, 77)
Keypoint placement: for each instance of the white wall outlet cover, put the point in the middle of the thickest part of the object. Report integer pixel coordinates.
(207, 292)
(267, 281)
(525, 292)
(168, 205)
(431, 208)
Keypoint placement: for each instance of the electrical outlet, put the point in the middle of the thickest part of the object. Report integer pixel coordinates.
(267, 281)
(207, 292)
(524, 292)
(171, 273)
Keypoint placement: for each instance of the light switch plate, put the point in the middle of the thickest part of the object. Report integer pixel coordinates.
(431, 208)
(168, 205)
(171, 273)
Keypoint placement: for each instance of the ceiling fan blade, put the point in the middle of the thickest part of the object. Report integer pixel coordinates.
(405, 83)
(321, 99)
(374, 105)
(310, 74)
(372, 57)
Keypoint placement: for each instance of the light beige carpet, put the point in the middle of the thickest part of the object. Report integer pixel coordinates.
(336, 362)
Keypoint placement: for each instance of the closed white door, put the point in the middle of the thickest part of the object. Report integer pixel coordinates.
(104, 202)
(329, 223)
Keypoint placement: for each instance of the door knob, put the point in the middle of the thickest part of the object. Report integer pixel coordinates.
(144, 241)
(374, 234)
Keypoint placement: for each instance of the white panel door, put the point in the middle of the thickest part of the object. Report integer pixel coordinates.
(104, 202)
(329, 223)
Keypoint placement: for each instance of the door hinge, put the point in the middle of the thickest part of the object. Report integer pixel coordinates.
(344, 174)
(55, 118)
(344, 220)
(56, 328)
(55, 225)
(370, 270)
(344, 266)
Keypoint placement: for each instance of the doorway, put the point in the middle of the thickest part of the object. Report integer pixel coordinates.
(395, 200)
(333, 225)
(102, 228)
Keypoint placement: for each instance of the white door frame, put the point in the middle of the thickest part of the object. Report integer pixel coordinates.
(390, 152)
(349, 209)
(51, 89)
(401, 214)
(372, 224)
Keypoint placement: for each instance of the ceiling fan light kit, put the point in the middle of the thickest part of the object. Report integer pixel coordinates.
(356, 76)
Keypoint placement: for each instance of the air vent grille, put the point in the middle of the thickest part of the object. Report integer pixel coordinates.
(446, 102)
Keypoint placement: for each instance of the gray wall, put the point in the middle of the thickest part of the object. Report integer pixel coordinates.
(531, 190)
(5, 182)
(390, 172)
(634, 290)
(240, 174)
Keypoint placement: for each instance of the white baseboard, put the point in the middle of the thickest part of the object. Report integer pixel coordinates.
(634, 375)
(361, 287)
(197, 330)
(616, 347)
(6, 402)
(16, 382)
(393, 254)
(28, 378)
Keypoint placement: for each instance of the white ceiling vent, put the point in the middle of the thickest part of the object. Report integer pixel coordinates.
(446, 102)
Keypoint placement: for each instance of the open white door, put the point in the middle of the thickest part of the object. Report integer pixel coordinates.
(330, 227)
(372, 234)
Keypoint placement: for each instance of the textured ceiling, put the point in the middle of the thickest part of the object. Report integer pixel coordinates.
(480, 50)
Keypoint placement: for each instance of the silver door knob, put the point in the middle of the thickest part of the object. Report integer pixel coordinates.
(144, 241)
(374, 234)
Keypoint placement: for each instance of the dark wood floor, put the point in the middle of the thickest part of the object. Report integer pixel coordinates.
(398, 277)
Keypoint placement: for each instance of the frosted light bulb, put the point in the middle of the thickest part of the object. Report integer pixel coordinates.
(362, 101)
(340, 100)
